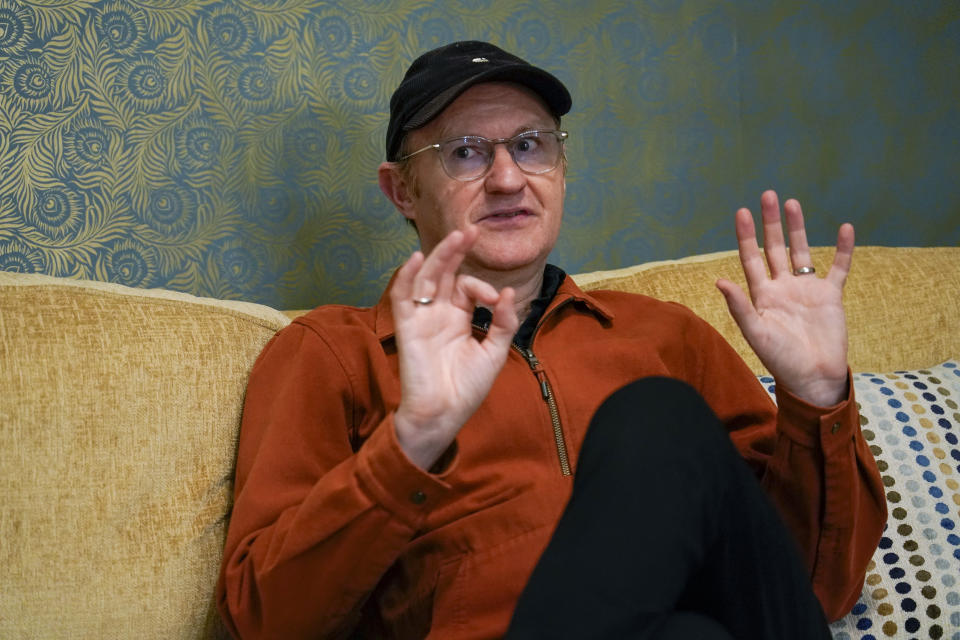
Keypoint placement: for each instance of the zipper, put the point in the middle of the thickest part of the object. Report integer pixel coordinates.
(546, 391)
(547, 394)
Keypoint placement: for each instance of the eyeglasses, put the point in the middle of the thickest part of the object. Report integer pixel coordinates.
(470, 157)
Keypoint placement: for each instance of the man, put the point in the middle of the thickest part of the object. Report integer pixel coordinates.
(402, 468)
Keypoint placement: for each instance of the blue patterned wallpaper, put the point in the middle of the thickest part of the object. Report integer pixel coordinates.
(229, 149)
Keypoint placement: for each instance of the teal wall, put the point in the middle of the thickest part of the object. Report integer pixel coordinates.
(229, 149)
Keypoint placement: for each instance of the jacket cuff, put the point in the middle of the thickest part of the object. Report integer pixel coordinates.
(830, 428)
(395, 482)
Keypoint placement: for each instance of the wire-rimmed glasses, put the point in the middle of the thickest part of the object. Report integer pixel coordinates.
(471, 157)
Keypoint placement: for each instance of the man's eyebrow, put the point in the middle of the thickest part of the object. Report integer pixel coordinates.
(533, 127)
(446, 134)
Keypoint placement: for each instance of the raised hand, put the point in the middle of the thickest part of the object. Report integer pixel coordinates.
(445, 372)
(794, 321)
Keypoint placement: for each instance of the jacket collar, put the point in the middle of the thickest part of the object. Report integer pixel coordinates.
(567, 293)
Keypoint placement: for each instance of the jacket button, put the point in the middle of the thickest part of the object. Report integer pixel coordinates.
(836, 427)
(418, 497)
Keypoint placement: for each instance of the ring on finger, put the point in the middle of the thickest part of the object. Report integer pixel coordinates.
(425, 300)
(802, 271)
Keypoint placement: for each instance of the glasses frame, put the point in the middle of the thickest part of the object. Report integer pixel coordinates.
(558, 133)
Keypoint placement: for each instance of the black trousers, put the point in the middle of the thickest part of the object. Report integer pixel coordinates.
(667, 535)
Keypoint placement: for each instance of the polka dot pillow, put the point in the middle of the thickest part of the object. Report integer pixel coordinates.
(912, 421)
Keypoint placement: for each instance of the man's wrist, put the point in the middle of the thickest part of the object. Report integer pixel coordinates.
(422, 443)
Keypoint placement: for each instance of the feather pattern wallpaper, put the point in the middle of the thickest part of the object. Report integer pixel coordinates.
(229, 149)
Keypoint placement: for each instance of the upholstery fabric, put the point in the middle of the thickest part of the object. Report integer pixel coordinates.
(912, 421)
(927, 309)
(119, 411)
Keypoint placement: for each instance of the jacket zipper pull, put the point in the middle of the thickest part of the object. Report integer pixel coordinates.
(538, 372)
(543, 389)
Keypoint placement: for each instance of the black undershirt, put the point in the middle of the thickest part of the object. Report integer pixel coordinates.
(552, 279)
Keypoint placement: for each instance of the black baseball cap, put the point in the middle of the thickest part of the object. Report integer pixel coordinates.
(436, 78)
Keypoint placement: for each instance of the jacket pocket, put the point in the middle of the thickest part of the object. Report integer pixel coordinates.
(476, 592)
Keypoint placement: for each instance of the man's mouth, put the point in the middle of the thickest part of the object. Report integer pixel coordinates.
(508, 214)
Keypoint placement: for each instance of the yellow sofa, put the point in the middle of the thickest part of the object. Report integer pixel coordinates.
(119, 414)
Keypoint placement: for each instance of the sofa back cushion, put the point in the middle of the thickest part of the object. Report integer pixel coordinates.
(119, 413)
(903, 311)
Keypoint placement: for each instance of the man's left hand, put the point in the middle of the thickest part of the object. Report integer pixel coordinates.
(795, 322)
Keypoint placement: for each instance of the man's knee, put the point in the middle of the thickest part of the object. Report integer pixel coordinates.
(655, 412)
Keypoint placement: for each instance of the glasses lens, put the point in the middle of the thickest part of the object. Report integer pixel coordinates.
(536, 151)
(466, 158)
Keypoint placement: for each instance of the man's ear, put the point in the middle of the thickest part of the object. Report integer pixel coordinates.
(397, 189)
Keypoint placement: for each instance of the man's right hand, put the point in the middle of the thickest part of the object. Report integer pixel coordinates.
(445, 372)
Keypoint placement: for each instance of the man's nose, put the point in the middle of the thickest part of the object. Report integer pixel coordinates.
(504, 174)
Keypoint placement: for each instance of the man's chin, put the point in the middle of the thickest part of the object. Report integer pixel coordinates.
(500, 263)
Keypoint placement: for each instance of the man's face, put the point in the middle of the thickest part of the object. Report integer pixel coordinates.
(518, 215)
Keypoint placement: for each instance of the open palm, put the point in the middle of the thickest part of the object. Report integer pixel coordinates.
(795, 323)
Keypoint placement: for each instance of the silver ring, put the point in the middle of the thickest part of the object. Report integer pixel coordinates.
(423, 301)
(802, 271)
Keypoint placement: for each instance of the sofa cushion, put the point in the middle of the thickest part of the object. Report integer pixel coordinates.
(901, 302)
(119, 412)
(912, 421)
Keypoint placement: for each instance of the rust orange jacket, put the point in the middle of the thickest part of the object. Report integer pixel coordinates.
(333, 528)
